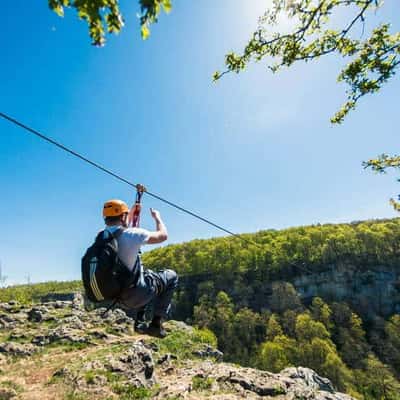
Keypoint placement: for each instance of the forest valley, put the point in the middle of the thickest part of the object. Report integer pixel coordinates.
(323, 296)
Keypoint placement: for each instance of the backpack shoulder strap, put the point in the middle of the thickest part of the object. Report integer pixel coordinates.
(99, 236)
(117, 233)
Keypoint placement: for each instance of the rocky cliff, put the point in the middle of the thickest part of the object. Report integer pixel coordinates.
(370, 292)
(373, 291)
(57, 350)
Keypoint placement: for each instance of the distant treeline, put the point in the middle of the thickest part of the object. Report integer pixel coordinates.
(36, 292)
(279, 255)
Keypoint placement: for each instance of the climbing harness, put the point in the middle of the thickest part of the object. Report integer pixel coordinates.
(135, 217)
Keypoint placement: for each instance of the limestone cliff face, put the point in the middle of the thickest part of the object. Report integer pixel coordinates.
(57, 350)
(375, 291)
(369, 291)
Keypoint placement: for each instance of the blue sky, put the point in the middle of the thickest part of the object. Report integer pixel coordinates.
(255, 151)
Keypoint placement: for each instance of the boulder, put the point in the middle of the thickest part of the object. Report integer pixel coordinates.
(309, 378)
(38, 314)
(17, 349)
(209, 352)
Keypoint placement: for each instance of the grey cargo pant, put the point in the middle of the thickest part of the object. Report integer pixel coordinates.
(157, 286)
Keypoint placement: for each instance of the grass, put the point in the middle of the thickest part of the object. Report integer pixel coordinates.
(127, 391)
(12, 385)
(75, 396)
(200, 383)
(112, 377)
(90, 377)
(112, 331)
(23, 339)
(102, 352)
(67, 346)
(182, 343)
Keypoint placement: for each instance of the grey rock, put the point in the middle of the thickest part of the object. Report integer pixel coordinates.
(66, 335)
(370, 292)
(292, 383)
(93, 365)
(178, 325)
(99, 334)
(37, 314)
(118, 316)
(166, 358)
(116, 366)
(309, 377)
(7, 318)
(74, 322)
(208, 352)
(60, 334)
(58, 304)
(140, 358)
(61, 304)
(136, 365)
(5, 307)
(40, 340)
(254, 382)
(62, 373)
(11, 321)
(17, 349)
(17, 336)
(77, 301)
(97, 380)
(151, 346)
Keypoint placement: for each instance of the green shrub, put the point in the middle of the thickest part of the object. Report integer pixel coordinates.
(12, 385)
(130, 392)
(183, 343)
(201, 383)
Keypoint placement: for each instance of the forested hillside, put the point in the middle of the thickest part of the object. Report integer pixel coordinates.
(324, 296)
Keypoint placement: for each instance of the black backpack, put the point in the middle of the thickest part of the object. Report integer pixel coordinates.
(104, 275)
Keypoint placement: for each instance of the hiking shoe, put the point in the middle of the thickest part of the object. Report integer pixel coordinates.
(156, 330)
(140, 326)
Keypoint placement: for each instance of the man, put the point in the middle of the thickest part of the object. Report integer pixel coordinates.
(157, 286)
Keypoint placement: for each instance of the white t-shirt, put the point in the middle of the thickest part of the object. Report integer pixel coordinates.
(129, 243)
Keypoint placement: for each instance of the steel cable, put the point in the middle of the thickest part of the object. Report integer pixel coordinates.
(113, 174)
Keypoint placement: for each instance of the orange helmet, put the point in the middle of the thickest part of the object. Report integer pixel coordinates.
(114, 208)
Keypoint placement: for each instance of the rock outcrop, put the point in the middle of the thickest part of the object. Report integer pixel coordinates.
(57, 350)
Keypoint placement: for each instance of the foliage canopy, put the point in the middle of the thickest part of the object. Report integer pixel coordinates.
(104, 16)
(373, 57)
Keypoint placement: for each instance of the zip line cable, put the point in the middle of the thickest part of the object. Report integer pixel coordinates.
(107, 171)
(136, 186)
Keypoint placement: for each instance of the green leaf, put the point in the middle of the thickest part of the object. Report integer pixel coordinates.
(167, 5)
(145, 32)
(216, 76)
